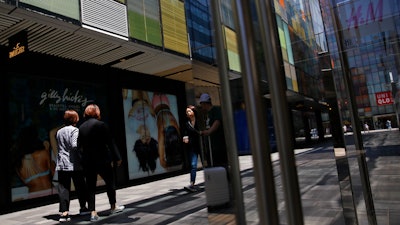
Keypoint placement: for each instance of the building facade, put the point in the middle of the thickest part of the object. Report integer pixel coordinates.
(163, 52)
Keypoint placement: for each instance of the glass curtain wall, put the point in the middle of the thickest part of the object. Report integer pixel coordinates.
(199, 29)
(340, 61)
(364, 50)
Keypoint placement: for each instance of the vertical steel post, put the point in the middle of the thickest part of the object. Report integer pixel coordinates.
(360, 151)
(228, 121)
(394, 96)
(274, 65)
(256, 116)
(338, 139)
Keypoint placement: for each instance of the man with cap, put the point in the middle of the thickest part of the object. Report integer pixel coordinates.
(215, 130)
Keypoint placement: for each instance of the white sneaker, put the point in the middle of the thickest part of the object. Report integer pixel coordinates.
(94, 218)
(65, 218)
(118, 209)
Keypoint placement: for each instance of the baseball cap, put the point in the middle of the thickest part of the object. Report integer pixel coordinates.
(205, 98)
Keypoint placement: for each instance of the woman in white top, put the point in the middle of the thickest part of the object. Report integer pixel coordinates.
(69, 166)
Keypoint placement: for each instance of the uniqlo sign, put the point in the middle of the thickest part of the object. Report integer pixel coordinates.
(384, 98)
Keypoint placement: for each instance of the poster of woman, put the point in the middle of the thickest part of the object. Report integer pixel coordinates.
(147, 118)
(36, 108)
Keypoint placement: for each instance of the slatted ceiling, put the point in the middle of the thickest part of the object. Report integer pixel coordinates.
(37, 31)
(52, 37)
(23, 25)
(162, 60)
(135, 61)
(129, 63)
(149, 67)
(58, 45)
(80, 46)
(141, 59)
(91, 53)
(146, 57)
(208, 77)
(63, 46)
(115, 54)
(7, 21)
(205, 72)
(86, 32)
(77, 45)
(174, 64)
(15, 29)
(141, 64)
(111, 56)
(146, 66)
(176, 70)
(203, 83)
(56, 48)
(39, 38)
(96, 57)
(47, 41)
(185, 76)
(182, 73)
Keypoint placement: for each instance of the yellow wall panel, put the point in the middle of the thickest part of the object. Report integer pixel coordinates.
(174, 26)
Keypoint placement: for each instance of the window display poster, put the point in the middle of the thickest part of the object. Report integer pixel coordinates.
(153, 139)
(36, 108)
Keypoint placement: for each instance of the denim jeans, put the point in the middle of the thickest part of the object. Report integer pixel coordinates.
(193, 166)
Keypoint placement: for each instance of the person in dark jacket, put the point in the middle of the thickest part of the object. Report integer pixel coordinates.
(191, 139)
(99, 155)
(215, 130)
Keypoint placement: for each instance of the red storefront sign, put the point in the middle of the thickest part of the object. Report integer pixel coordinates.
(384, 98)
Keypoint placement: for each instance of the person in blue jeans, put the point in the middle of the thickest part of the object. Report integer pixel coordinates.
(191, 139)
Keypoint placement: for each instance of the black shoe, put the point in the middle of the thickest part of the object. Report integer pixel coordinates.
(84, 211)
(65, 218)
(190, 188)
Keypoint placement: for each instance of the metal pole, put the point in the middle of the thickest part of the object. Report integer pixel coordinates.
(394, 94)
(256, 113)
(228, 121)
(339, 146)
(360, 151)
(281, 114)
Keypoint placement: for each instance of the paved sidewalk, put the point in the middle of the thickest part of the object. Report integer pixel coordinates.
(166, 202)
(159, 202)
